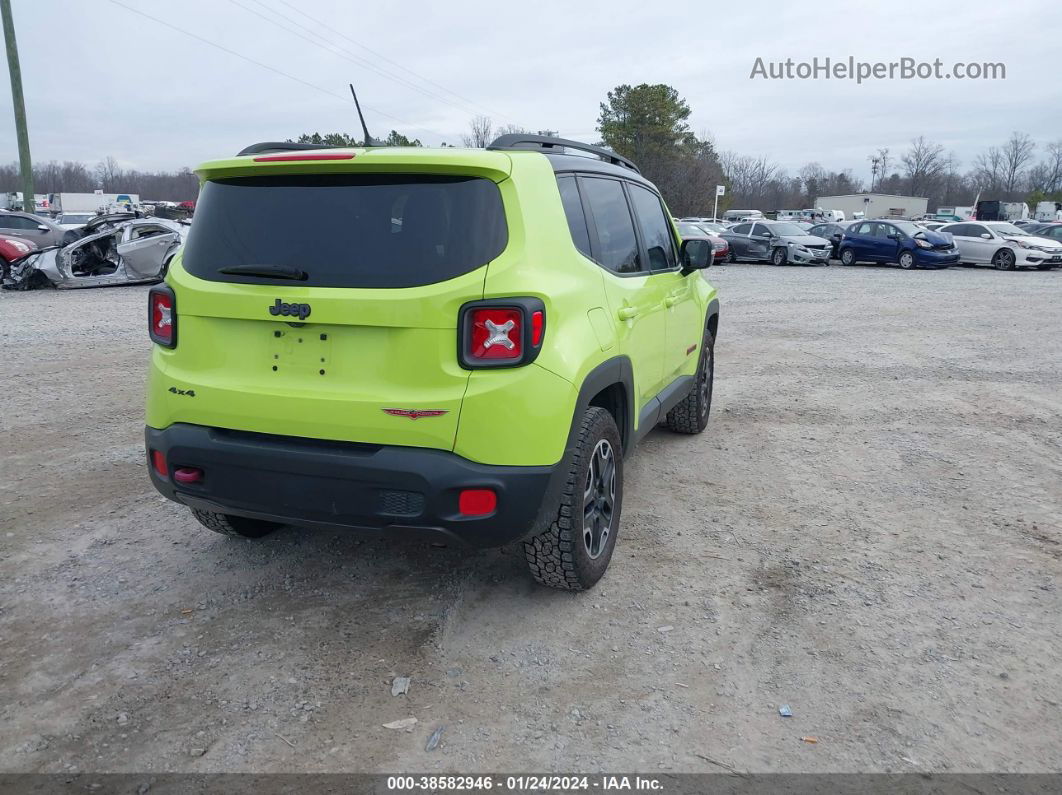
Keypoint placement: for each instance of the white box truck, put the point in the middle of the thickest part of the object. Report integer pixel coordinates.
(91, 202)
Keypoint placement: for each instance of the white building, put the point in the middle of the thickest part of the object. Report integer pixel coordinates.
(875, 205)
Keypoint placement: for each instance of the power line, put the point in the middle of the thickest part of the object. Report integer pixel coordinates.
(270, 68)
(383, 57)
(320, 41)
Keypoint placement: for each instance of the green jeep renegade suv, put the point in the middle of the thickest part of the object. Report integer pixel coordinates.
(430, 342)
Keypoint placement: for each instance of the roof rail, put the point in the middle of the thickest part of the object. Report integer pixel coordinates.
(279, 146)
(546, 142)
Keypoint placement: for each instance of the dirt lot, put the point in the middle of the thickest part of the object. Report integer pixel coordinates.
(870, 531)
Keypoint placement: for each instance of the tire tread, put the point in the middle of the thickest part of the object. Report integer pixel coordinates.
(550, 556)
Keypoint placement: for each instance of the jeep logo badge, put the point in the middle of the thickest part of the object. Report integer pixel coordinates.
(302, 311)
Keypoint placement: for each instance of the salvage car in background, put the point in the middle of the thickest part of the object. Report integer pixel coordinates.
(133, 252)
(13, 249)
(35, 228)
(1004, 246)
(74, 220)
(901, 242)
(698, 232)
(777, 242)
(1052, 231)
(832, 232)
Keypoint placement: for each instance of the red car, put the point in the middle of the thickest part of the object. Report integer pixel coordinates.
(720, 248)
(13, 249)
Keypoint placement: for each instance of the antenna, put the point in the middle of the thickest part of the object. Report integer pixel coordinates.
(369, 141)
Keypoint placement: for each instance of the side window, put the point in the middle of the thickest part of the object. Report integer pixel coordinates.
(16, 222)
(656, 229)
(883, 230)
(976, 230)
(617, 245)
(146, 231)
(573, 210)
(741, 229)
(864, 229)
(963, 230)
(759, 230)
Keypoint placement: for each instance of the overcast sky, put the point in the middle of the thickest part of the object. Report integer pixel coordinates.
(103, 80)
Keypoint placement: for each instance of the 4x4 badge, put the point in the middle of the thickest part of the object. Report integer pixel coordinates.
(415, 414)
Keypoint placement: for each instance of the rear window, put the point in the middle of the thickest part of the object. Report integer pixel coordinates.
(370, 230)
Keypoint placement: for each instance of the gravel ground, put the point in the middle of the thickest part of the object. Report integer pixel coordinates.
(869, 531)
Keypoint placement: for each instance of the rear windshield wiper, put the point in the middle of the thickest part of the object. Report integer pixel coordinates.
(267, 272)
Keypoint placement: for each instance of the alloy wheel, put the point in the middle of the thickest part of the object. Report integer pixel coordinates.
(1005, 260)
(704, 381)
(599, 499)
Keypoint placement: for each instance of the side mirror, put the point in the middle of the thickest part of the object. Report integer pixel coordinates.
(695, 255)
(43, 228)
(986, 236)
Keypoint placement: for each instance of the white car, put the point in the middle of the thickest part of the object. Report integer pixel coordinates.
(1002, 245)
(74, 220)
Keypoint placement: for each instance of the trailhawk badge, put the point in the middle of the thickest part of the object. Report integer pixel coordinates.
(415, 414)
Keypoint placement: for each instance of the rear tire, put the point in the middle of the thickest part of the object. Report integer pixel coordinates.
(848, 257)
(237, 526)
(575, 551)
(731, 257)
(691, 415)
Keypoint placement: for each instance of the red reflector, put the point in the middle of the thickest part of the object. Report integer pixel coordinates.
(158, 461)
(496, 334)
(275, 158)
(188, 475)
(536, 328)
(477, 502)
(162, 318)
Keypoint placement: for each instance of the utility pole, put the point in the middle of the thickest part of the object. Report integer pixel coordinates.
(25, 164)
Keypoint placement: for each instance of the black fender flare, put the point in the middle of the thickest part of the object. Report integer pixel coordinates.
(712, 312)
(617, 370)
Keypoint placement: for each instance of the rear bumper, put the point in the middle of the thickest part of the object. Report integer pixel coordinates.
(399, 491)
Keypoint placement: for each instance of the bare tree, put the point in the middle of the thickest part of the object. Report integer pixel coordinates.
(812, 176)
(1017, 154)
(108, 173)
(481, 128)
(509, 129)
(1053, 167)
(988, 169)
(923, 164)
(749, 177)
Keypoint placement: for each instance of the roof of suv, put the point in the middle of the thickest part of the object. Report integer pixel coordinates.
(567, 162)
(556, 150)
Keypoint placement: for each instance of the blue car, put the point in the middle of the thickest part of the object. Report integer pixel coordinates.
(901, 242)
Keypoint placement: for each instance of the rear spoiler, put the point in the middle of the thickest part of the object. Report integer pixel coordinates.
(279, 146)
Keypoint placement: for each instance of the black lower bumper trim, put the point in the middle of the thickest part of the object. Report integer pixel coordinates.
(402, 491)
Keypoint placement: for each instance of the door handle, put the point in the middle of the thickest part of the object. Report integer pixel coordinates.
(627, 312)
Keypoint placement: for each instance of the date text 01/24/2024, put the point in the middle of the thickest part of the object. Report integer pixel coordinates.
(524, 783)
